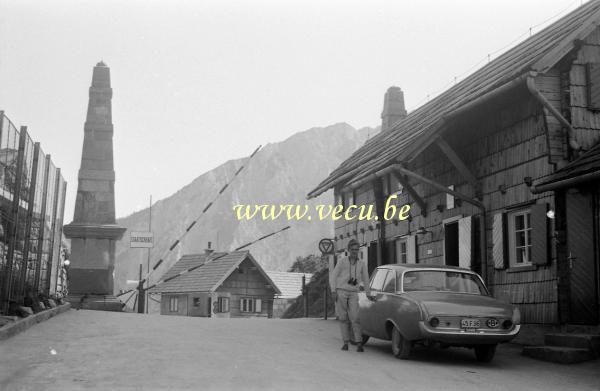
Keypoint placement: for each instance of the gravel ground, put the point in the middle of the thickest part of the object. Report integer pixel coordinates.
(124, 351)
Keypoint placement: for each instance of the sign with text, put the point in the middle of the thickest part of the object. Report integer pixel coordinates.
(142, 239)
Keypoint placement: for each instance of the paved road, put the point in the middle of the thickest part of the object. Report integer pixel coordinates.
(120, 351)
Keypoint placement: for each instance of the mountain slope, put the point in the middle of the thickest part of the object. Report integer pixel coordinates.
(281, 173)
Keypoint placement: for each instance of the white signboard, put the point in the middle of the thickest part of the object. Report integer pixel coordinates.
(142, 239)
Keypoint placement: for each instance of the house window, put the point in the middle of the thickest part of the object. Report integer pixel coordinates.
(450, 198)
(401, 250)
(223, 304)
(173, 304)
(196, 302)
(519, 238)
(250, 305)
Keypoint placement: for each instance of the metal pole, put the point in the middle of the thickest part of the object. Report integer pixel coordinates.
(148, 265)
(140, 293)
(325, 296)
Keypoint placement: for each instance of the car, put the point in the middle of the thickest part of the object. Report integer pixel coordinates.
(435, 305)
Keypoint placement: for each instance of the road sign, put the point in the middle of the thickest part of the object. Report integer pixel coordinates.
(326, 246)
(142, 239)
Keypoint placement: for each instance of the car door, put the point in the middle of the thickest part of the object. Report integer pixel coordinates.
(370, 311)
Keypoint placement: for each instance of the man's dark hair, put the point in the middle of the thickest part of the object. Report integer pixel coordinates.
(353, 242)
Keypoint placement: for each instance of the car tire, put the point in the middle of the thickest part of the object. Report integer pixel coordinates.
(401, 347)
(365, 338)
(485, 353)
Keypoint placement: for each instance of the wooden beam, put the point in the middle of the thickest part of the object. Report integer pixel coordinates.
(439, 186)
(411, 190)
(458, 163)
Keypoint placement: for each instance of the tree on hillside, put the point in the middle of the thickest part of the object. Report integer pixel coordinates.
(308, 264)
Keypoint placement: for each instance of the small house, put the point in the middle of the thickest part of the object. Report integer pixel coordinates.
(290, 286)
(220, 284)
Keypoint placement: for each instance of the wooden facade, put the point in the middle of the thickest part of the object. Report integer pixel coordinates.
(489, 154)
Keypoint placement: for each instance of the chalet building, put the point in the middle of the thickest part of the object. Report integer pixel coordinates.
(223, 285)
(501, 174)
(290, 286)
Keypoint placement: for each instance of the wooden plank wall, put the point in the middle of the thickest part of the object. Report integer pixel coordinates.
(585, 122)
(249, 284)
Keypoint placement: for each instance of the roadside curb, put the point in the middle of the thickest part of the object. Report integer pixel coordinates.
(25, 323)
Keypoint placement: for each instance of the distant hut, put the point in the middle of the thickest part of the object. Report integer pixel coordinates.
(225, 285)
(290, 286)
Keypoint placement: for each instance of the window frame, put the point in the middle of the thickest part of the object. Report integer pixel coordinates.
(173, 303)
(377, 271)
(223, 304)
(252, 305)
(391, 274)
(512, 232)
(399, 242)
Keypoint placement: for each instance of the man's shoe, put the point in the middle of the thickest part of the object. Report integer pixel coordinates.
(360, 348)
(345, 346)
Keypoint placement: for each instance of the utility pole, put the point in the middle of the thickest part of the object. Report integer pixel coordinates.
(305, 294)
(148, 266)
(141, 293)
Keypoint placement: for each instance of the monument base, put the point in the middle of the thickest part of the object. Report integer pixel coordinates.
(97, 282)
(95, 302)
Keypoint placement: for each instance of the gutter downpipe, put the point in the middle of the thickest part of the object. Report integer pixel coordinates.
(544, 101)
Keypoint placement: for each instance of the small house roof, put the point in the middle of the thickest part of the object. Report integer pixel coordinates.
(289, 283)
(410, 135)
(212, 271)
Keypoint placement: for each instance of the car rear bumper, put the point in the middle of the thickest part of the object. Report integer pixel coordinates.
(464, 337)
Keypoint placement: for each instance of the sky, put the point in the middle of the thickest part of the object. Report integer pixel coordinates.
(197, 83)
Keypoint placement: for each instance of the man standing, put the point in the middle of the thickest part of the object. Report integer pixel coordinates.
(344, 281)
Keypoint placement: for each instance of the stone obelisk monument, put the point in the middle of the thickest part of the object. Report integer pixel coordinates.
(94, 231)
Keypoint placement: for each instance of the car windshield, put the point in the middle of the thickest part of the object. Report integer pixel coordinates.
(442, 280)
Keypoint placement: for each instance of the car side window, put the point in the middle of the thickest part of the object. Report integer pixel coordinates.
(378, 279)
(390, 282)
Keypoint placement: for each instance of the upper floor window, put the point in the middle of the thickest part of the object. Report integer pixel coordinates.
(519, 238)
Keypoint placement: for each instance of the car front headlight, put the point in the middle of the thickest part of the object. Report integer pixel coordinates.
(516, 318)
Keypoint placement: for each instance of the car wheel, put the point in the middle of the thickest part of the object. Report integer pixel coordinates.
(365, 338)
(485, 353)
(400, 346)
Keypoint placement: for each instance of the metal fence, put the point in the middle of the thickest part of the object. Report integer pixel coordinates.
(32, 193)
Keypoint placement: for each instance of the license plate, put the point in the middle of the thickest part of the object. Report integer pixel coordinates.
(470, 323)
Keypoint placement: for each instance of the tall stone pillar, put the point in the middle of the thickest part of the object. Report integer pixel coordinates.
(94, 231)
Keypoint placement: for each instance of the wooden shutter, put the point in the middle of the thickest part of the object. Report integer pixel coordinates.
(593, 86)
(465, 242)
(499, 254)
(258, 305)
(539, 234)
(411, 249)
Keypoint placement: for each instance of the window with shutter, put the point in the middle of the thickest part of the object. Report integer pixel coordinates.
(519, 238)
(593, 85)
(498, 252)
(402, 250)
(411, 249)
(257, 305)
(539, 234)
(465, 242)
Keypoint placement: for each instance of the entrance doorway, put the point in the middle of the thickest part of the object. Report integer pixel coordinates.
(451, 253)
(583, 239)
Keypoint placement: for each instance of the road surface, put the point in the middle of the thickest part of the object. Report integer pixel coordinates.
(82, 350)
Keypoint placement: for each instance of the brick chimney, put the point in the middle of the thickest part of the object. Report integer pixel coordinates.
(208, 250)
(393, 108)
